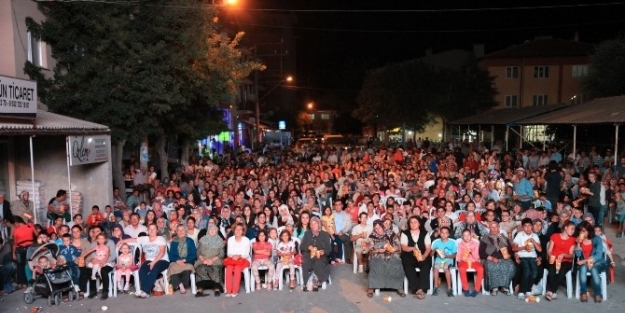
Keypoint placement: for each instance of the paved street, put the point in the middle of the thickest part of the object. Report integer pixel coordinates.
(346, 294)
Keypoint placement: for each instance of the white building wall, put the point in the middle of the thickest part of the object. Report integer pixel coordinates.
(93, 181)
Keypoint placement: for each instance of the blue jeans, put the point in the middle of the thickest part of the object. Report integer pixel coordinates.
(595, 272)
(6, 272)
(601, 214)
(148, 277)
(74, 272)
(339, 251)
(529, 272)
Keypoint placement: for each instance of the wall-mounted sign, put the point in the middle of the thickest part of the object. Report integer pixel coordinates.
(281, 125)
(18, 97)
(89, 149)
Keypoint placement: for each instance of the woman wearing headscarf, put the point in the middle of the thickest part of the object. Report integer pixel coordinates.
(385, 266)
(284, 216)
(162, 229)
(182, 255)
(23, 207)
(118, 234)
(495, 250)
(209, 264)
(315, 250)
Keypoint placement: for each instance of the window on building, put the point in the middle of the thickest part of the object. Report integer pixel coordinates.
(580, 70)
(512, 101)
(541, 71)
(35, 50)
(325, 116)
(512, 72)
(312, 116)
(540, 100)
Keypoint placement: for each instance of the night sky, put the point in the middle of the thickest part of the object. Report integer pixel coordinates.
(334, 49)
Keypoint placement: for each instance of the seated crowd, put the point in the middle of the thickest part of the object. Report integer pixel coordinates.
(405, 217)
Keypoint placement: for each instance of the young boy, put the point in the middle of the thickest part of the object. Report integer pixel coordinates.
(526, 244)
(109, 219)
(620, 214)
(96, 217)
(69, 253)
(578, 213)
(43, 263)
(445, 251)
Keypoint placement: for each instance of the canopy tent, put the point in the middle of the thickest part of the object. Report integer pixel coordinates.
(609, 110)
(47, 123)
(505, 117)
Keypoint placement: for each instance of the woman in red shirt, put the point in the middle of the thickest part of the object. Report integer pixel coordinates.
(560, 254)
(23, 237)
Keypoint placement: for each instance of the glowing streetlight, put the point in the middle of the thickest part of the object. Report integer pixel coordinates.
(230, 2)
(310, 105)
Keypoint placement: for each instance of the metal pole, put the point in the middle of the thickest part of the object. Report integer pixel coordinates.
(507, 134)
(574, 142)
(68, 149)
(616, 158)
(257, 115)
(520, 137)
(32, 180)
(492, 136)
(480, 138)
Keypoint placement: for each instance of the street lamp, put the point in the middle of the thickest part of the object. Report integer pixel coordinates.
(310, 105)
(287, 79)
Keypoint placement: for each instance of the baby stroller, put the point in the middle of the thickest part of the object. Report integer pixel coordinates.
(54, 281)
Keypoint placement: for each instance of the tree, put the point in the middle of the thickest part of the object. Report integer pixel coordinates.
(304, 120)
(606, 77)
(411, 94)
(141, 68)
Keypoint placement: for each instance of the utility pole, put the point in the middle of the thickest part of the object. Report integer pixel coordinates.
(257, 115)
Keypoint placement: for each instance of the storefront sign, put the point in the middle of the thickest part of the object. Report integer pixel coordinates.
(89, 149)
(18, 97)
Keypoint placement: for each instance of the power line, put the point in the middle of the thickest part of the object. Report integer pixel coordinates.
(544, 7)
(476, 30)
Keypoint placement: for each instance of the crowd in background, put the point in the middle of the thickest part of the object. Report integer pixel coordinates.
(400, 213)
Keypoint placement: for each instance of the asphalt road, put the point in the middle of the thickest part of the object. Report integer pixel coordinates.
(346, 294)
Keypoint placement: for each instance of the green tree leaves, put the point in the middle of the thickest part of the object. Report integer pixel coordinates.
(606, 77)
(413, 93)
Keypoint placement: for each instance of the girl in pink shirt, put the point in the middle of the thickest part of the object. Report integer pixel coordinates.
(261, 251)
(468, 257)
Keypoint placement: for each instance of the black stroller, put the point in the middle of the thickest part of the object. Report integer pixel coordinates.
(54, 281)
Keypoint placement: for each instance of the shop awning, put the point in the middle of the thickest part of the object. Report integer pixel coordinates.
(610, 110)
(507, 116)
(48, 123)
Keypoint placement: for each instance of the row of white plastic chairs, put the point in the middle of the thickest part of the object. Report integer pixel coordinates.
(457, 282)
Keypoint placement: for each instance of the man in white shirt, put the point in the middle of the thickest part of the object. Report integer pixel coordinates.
(343, 223)
(134, 229)
(525, 245)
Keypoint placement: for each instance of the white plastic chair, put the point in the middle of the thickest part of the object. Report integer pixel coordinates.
(260, 268)
(469, 270)
(284, 276)
(453, 275)
(604, 283)
(246, 279)
(569, 283)
(192, 278)
(112, 291)
(405, 283)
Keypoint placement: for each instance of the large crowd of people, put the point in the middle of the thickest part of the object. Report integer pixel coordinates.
(407, 216)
